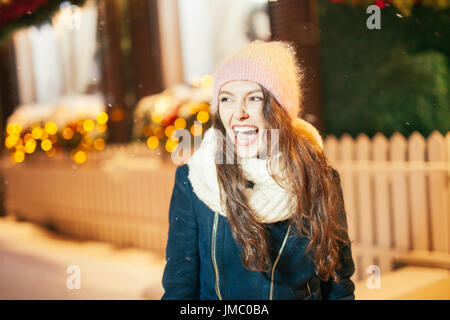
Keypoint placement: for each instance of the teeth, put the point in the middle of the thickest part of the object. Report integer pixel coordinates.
(244, 129)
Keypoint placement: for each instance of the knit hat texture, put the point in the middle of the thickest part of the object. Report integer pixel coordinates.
(272, 64)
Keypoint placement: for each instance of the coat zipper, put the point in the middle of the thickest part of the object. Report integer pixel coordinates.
(213, 255)
(276, 262)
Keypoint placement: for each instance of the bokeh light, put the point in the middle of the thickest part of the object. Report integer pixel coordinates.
(51, 127)
(203, 116)
(99, 144)
(152, 142)
(67, 133)
(88, 125)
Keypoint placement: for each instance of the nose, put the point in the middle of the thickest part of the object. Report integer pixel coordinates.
(240, 113)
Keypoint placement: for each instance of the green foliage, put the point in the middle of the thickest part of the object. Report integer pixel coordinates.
(393, 79)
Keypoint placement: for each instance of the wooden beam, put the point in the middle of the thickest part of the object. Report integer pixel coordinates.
(297, 21)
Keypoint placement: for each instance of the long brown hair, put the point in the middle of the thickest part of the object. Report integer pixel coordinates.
(310, 180)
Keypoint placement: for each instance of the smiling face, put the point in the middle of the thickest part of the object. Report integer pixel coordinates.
(240, 109)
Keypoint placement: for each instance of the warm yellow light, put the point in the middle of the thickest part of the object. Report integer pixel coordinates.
(80, 128)
(161, 104)
(204, 107)
(157, 118)
(203, 116)
(99, 144)
(180, 123)
(79, 157)
(152, 142)
(46, 145)
(168, 131)
(86, 142)
(148, 130)
(27, 137)
(51, 127)
(196, 129)
(10, 128)
(88, 125)
(11, 141)
(30, 145)
(36, 133)
(53, 138)
(171, 145)
(159, 132)
(67, 133)
(19, 156)
(44, 135)
(14, 128)
(50, 152)
(192, 107)
(101, 127)
(102, 118)
(205, 81)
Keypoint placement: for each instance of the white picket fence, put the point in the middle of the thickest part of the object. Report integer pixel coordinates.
(396, 194)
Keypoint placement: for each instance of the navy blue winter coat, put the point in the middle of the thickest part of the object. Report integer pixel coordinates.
(203, 260)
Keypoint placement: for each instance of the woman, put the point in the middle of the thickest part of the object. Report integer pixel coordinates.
(257, 212)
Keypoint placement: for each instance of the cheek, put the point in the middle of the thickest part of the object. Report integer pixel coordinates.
(225, 115)
(256, 117)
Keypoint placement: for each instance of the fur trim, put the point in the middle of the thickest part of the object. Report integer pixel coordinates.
(309, 131)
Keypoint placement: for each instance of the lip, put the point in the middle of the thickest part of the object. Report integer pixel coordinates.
(250, 141)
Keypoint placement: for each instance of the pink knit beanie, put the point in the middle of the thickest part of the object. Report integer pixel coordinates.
(271, 64)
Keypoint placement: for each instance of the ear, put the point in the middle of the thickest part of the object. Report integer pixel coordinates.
(309, 131)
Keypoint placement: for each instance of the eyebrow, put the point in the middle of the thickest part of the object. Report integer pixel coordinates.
(228, 92)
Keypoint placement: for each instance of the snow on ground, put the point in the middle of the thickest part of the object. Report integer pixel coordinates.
(34, 264)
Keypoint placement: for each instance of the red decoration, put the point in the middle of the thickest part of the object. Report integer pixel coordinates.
(16, 9)
(380, 3)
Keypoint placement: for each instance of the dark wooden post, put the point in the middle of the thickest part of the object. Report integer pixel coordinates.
(297, 20)
(119, 125)
(146, 49)
(9, 98)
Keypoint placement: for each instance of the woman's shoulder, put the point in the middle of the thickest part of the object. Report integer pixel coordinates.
(182, 171)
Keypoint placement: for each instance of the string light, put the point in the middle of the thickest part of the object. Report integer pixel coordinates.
(203, 116)
(36, 133)
(152, 142)
(67, 133)
(171, 145)
(196, 129)
(30, 145)
(51, 127)
(99, 143)
(180, 123)
(80, 157)
(19, 156)
(46, 144)
(102, 118)
(88, 125)
(168, 131)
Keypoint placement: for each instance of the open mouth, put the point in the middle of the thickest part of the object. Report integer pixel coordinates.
(245, 135)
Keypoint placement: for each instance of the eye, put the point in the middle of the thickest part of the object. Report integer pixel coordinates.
(223, 99)
(256, 98)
